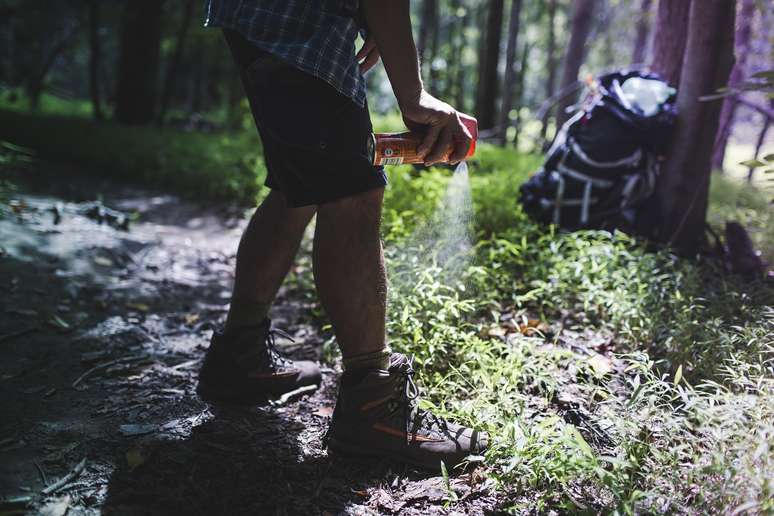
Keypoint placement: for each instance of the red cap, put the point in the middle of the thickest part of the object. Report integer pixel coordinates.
(472, 125)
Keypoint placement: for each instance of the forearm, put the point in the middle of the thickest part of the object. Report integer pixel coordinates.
(389, 22)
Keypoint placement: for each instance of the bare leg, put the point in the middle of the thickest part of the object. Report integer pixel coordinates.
(266, 252)
(349, 271)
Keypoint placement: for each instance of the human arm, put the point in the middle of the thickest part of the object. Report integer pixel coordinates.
(389, 24)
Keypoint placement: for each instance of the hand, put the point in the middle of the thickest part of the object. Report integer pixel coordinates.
(368, 55)
(444, 130)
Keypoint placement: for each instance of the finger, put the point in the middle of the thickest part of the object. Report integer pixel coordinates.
(441, 147)
(428, 142)
(370, 61)
(462, 141)
(368, 45)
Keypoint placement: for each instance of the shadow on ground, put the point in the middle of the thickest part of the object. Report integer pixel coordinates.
(104, 377)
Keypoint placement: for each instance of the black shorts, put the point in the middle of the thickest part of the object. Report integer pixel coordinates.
(315, 139)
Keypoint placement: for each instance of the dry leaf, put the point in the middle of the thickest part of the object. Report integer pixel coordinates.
(56, 507)
(600, 364)
(324, 411)
(140, 307)
(58, 323)
(135, 458)
(101, 260)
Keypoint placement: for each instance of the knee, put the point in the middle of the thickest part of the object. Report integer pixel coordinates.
(362, 209)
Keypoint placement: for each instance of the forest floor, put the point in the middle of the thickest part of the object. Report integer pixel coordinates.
(102, 331)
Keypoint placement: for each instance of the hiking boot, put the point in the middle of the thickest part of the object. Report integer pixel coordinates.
(245, 367)
(377, 416)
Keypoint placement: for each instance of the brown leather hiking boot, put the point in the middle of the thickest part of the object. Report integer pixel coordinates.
(377, 416)
(245, 367)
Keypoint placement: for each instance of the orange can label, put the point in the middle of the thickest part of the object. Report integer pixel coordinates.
(396, 149)
(401, 148)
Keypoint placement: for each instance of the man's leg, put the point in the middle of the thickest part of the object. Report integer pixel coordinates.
(350, 276)
(266, 252)
(376, 411)
(242, 364)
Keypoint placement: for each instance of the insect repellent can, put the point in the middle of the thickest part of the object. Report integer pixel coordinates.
(401, 148)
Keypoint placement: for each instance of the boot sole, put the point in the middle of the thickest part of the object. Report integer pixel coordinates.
(350, 451)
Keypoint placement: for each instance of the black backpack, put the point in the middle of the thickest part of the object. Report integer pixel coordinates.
(601, 170)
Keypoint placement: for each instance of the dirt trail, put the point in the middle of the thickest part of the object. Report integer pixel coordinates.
(101, 333)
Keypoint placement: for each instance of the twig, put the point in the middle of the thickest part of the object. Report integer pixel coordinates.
(104, 366)
(183, 365)
(292, 395)
(19, 333)
(42, 473)
(72, 475)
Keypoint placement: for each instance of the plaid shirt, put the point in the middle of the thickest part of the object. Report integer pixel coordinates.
(315, 36)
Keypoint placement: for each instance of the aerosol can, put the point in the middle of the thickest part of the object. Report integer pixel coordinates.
(401, 148)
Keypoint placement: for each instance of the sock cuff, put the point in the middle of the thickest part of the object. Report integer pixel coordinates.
(372, 360)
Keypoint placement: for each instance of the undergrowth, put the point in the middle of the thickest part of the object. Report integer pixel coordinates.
(612, 378)
(221, 166)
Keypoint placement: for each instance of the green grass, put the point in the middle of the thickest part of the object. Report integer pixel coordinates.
(679, 421)
(648, 385)
(221, 166)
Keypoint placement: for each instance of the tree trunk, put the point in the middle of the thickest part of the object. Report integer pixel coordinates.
(520, 91)
(174, 65)
(669, 39)
(509, 83)
(434, 44)
(743, 36)
(94, 58)
(453, 53)
(427, 28)
(38, 78)
(581, 26)
(459, 79)
(550, 65)
(199, 71)
(138, 68)
(759, 145)
(487, 86)
(643, 31)
(684, 183)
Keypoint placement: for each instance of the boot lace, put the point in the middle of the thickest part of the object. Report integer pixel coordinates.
(268, 354)
(276, 360)
(407, 395)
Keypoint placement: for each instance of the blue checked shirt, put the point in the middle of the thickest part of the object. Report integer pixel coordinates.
(315, 36)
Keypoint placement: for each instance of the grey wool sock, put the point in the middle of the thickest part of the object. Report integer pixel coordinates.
(245, 313)
(368, 361)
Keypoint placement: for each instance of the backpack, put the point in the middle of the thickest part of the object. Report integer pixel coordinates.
(601, 170)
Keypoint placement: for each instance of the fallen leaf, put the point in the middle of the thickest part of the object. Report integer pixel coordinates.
(191, 318)
(135, 458)
(324, 411)
(28, 312)
(496, 331)
(600, 364)
(101, 260)
(58, 323)
(56, 507)
(529, 327)
(140, 307)
(137, 429)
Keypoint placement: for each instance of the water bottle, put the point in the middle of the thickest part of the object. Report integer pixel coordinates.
(647, 95)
